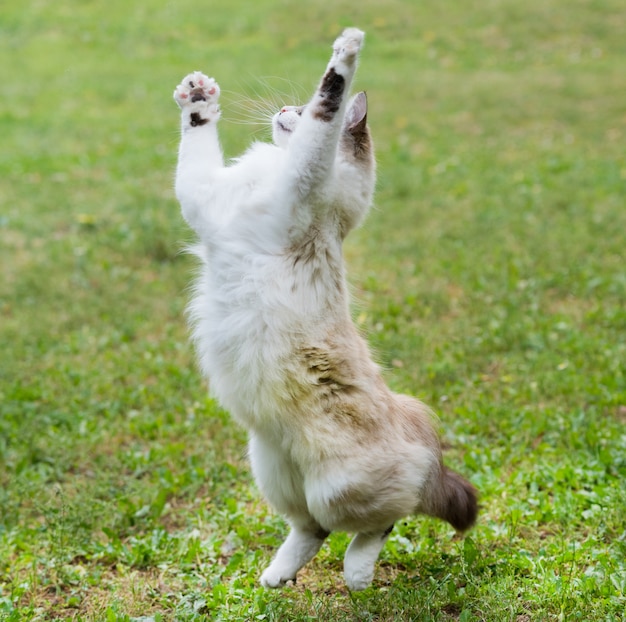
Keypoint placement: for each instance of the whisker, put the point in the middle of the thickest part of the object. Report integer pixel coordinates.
(259, 107)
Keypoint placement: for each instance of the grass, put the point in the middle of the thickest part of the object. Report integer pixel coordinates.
(490, 279)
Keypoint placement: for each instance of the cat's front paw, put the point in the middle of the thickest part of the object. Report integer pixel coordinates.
(197, 96)
(347, 46)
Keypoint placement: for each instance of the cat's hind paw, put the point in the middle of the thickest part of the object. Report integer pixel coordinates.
(274, 577)
(197, 94)
(358, 580)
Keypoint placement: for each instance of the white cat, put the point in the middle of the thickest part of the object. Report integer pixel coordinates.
(331, 447)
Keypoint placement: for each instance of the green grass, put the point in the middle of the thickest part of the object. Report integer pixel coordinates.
(490, 278)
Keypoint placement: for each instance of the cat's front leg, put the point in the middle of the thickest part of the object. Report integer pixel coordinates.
(314, 143)
(336, 80)
(199, 154)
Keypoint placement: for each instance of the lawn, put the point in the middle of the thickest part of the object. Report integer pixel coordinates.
(490, 279)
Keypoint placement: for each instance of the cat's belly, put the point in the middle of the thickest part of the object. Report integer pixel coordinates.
(246, 350)
(242, 366)
(260, 321)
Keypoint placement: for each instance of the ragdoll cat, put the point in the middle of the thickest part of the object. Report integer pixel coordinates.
(331, 447)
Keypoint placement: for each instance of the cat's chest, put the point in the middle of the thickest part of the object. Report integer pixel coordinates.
(258, 310)
(248, 330)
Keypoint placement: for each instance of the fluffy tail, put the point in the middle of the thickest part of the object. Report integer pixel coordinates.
(455, 500)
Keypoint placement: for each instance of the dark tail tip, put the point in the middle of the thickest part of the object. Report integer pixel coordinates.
(458, 501)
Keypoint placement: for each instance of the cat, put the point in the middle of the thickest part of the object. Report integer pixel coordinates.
(330, 446)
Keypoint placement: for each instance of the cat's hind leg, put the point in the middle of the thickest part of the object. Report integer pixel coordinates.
(360, 559)
(301, 545)
(280, 482)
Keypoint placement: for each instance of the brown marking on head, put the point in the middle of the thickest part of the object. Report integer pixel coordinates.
(330, 94)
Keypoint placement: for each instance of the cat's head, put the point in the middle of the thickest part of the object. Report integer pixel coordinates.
(286, 120)
(284, 124)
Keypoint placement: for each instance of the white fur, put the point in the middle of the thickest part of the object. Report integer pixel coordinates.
(358, 566)
(299, 547)
(257, 308)
(245, 313)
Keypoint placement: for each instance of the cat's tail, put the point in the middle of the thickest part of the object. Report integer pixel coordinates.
(453, 499)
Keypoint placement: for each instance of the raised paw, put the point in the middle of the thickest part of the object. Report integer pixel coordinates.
(198, 93)
(347, 45)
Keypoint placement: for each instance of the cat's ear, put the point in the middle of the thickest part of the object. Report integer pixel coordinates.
(356, 141)
(356, 118)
